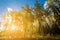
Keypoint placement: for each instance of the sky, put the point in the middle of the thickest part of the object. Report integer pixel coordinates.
(16, 4)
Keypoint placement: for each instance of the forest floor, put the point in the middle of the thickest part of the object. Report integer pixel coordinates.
(37, 38)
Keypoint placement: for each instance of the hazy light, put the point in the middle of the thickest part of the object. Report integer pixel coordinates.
(45, 5)
(13, 27)
(1, 28)
(9, 9)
